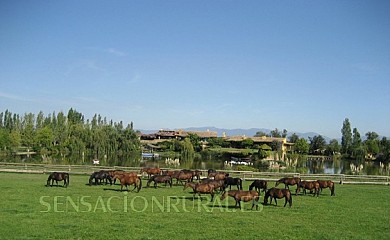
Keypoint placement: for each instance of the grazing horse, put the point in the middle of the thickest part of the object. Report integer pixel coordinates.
(151, 171)
(183, 176)
(327, 184)
(245, 196)
(160, 179)
(309, 185)
(129, 179)
(99, 177)
(202, 188)
(258, 185)
(288, 181)
(275, 193)
(229, 181)
(58, 176)
(113, 172)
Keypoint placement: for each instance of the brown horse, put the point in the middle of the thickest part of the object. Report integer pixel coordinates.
(244, 196)
(58, 176)
(129, 179)
(221, 176)
(183, 176)
(288, 181)
(309, 185)
(160, 179)
(151, 171)
(197, 174)
(275, 193)
(217, 183)
(113, 172)
(258, 185)
(201, 188)
(327, 184)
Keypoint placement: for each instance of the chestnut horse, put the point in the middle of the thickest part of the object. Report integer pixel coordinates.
(258, 185)
(129, 179)
(327, 184)
(309, 185)
(201, 188)
(275, 193)
(58, 176)
(151, 171)
(244, 196)
(183, 176)
(291, 181)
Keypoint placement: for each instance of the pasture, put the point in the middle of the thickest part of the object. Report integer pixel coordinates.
(30, 210)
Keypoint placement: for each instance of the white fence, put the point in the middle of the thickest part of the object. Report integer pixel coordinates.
(245, 175)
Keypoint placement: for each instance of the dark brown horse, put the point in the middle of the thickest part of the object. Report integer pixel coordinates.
(275, 193)
(309, 185)
(327, 184)
(244, 196)
(58, 176)
(258, 185)
(160, 179)
(151, 171)
(229, 181)
(129, 179)
(288, 181)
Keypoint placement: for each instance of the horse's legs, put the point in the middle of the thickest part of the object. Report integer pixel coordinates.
(276, 203)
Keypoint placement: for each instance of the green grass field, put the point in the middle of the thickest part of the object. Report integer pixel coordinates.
(29, 210)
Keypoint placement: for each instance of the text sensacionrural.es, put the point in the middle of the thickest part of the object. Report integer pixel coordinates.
(125, 203)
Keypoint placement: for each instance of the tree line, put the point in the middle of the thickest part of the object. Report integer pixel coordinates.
(67, 138)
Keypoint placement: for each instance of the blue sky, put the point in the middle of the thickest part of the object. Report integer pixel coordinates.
(297, 65)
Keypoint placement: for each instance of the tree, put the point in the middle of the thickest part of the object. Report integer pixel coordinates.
(276, 133)
(346, 137)
(293, 138)
(317, 144)
(333, 147)
(247, 143)
(301, 146)
(261, 134)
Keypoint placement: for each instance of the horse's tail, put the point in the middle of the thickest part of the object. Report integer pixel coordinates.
(251, 186)
(332, 189)
(290, 200)
(240, 183)
(67, 178)
(140, 184)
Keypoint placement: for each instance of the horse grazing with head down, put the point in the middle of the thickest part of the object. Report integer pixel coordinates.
(229, 181)
(99, 177)
(275, 193)
(58, 176)
(327, 184)
(258, 185)
(200, 188)
(288, 181)
(244, 196)
(160, 179)
(308, 185)
(129, 179)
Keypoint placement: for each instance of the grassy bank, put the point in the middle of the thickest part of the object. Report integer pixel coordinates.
(29, 210)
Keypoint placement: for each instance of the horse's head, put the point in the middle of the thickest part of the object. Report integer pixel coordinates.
(224, 195)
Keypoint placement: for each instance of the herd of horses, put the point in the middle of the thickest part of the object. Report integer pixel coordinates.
(215, 182)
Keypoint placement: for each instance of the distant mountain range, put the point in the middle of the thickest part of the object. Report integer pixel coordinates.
(241, 132)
